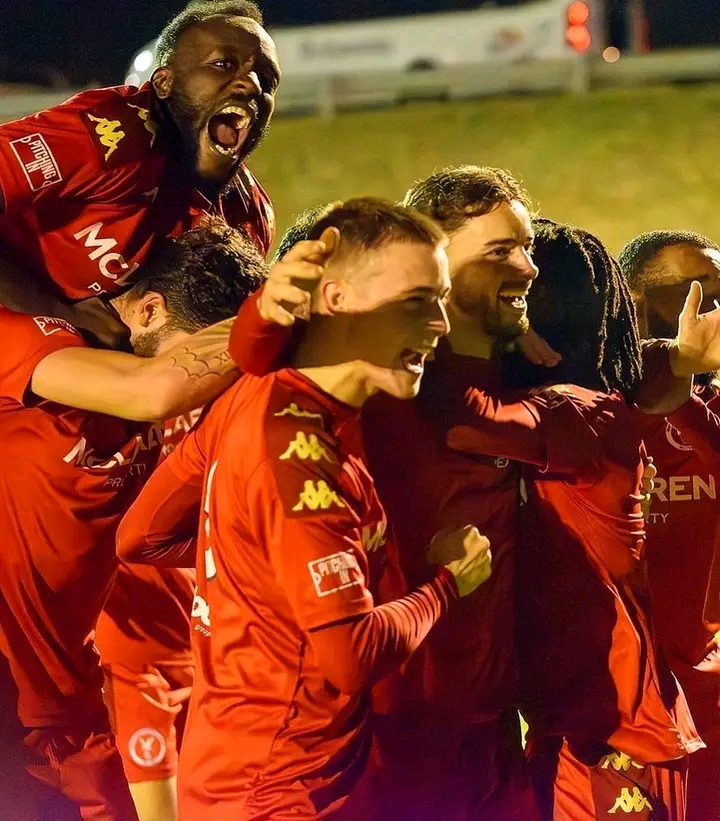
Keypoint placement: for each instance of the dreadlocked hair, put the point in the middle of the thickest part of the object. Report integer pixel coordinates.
(581, 304)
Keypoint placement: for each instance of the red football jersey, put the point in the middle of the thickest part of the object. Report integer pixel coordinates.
(465, 671)
(589, 661)
(285, 486)
(67, 477)
(137, 636)
(89, 185)
(683, 528)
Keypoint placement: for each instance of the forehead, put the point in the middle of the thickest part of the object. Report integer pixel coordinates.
(235, 33)
(508, 222)
(401, 266)
(688, 262)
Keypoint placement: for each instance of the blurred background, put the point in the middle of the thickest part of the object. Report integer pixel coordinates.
(608, 109)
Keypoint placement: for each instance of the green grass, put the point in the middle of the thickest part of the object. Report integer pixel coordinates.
(615, 162)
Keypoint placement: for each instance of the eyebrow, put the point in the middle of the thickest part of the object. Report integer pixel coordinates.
(423, 290)
(494, 243)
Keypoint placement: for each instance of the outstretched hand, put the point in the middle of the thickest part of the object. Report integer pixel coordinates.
(697, 345)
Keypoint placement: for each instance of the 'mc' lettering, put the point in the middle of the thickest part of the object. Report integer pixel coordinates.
(104, 255)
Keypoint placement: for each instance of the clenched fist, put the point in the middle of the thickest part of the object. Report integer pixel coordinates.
(465, 553)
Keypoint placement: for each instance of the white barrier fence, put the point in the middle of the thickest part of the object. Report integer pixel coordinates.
(327, 95)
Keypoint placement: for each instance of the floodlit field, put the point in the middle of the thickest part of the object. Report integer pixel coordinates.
(615, 162)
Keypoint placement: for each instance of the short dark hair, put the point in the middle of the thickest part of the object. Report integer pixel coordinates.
(195, 12)
(367, 223)
(299, 230)
(205, 275)
(454, 195)
(582, 305)
(638, 259)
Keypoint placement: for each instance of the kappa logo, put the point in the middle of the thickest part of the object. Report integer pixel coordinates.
(293, 410)
(306, 447)
(373, 538)
(147, 747)
(149, 124)
(37, 161)
(630, 801)
(110, 134)
(620, 762)
(317, 496)
(334, 573)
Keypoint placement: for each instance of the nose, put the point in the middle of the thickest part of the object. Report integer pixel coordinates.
(439, 324)
(523, 263)
(247, 81)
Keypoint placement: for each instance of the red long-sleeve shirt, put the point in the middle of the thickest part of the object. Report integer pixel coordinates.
(587, 648)
(683, 554)
(291, 544)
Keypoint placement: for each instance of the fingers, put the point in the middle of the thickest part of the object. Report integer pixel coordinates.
(179, 697)
(536, 350)
(304, 250)
(693, 301)
(163, 705)
(331, 238)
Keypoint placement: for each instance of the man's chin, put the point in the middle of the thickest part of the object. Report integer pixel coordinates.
(505, 331)
(400, 384)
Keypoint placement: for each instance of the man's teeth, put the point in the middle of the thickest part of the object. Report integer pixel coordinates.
(515, 298)
(415, 361)
(244, 120)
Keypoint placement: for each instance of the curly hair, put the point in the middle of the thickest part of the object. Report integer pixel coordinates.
(454, 195)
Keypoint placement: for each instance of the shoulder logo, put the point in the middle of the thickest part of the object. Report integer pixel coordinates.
(109, 134)
(50, 325)
(37, 161)
(334, 573)
(306, 446)
(293, 410)
(317, 496)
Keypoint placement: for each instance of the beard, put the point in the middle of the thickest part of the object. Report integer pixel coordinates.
(189, 120)
(148, 343)
(503, 330)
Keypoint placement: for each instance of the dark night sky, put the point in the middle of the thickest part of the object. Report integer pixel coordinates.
(93, 40)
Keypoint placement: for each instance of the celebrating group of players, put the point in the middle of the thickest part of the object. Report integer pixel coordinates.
(455, 461)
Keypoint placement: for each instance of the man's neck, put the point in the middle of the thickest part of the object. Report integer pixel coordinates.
(319, 358)
(466, 338)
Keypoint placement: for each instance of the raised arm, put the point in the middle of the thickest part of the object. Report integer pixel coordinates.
(183, 378)
(267, 325)
(551, 429)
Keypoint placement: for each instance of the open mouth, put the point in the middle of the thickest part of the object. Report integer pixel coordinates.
(514, 298)
(414, 360)
(229, 128)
